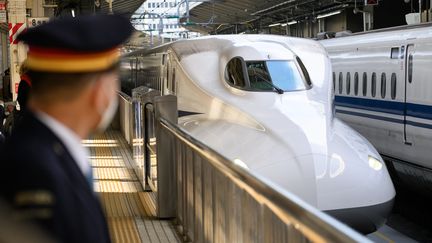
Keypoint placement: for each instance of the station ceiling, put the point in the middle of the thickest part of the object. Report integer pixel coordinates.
(126, 7)
(234, 16)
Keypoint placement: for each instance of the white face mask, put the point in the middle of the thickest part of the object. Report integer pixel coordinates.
(107, 115)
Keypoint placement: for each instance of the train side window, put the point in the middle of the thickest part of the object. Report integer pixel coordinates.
(402, 52)
(410, 68)
(364, 84)
(373, 85)
(340, 82)
(235, 74)
(356, 83)
(334, 82)
(348, 83)
(394, 53)
(393, 86)
(383, 85)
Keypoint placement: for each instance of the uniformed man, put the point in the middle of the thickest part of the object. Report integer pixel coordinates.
(44, 171)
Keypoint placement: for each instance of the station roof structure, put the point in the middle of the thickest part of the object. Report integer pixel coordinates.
(223, 16)
(125, 7)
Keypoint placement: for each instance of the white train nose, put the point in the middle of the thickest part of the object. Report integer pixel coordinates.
(357, 190)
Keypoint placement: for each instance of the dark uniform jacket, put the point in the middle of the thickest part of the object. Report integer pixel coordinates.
(43, 184)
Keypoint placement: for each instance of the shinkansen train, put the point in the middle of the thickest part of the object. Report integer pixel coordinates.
(265, 102)
(382, 82)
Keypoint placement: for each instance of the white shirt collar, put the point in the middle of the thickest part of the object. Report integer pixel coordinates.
(70, 140)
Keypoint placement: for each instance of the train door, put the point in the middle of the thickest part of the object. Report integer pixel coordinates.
(409, 87)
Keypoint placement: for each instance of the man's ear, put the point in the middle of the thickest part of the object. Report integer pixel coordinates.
(97, 95)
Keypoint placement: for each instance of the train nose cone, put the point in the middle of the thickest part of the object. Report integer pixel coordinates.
(355, 189)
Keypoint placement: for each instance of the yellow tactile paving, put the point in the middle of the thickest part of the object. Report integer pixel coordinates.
(129, 210)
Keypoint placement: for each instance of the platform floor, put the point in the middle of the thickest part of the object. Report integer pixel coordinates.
(129, 210)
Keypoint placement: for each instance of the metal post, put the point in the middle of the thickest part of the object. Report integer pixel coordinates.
(364, 17)
(151, 37)
(165, 107)
(430, 10)
(160, 28)
(110, 6)
(420, 10)
(187, 11)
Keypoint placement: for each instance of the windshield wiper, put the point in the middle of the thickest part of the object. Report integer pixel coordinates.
(278, 90)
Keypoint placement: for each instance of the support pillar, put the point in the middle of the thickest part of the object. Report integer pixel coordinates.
(368, 20)
(4, 52)
(17, 52)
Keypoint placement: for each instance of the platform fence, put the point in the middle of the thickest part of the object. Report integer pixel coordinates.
(214, 200)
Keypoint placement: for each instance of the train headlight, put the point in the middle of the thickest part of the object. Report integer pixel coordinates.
(374, 163)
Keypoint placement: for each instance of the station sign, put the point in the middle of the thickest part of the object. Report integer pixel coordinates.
(33, 22)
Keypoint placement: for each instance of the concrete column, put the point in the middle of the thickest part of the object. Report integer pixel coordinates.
(17, 15)
(4, 51)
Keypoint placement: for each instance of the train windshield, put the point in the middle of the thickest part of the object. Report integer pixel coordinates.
(271, 75)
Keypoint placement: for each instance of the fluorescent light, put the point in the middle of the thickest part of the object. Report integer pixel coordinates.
(73, 13)
(290, 23)
(321, 16)
(272, 25)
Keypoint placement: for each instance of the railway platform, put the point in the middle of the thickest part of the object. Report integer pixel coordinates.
(130, 211)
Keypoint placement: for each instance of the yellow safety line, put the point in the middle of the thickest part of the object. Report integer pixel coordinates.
(121, 194)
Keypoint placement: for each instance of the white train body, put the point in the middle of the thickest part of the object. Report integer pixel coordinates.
(398, 118)
(292, 138)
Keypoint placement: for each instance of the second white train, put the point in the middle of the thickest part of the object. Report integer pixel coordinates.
(382, 82)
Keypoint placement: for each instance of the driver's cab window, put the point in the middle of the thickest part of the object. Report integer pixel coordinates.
(234, 72)
(258, 75)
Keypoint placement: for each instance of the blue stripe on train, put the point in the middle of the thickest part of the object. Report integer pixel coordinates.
(389, 107)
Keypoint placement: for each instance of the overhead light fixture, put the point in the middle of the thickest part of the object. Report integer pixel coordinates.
(290, 23)
(273, 25)
(321, 16)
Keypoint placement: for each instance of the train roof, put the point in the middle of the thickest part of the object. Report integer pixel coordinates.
(393, 34)
(184, 48)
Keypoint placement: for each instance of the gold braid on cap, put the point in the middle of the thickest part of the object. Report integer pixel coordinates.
(61, 61)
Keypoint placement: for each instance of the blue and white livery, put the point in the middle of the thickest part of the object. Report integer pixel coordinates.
(382, 82)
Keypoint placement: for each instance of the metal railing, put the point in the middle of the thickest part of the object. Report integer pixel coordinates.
(215, 200)
(125, 115)
(218, 201)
